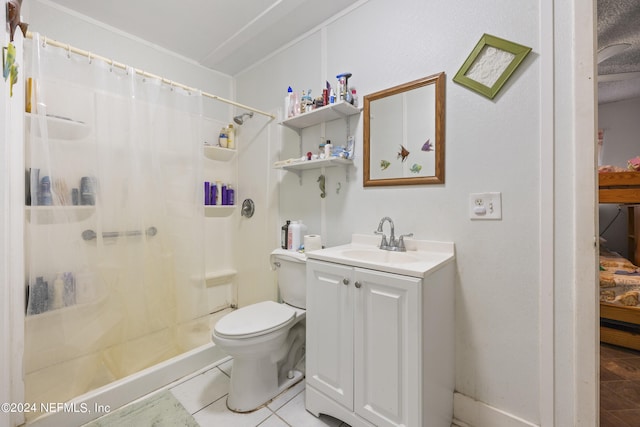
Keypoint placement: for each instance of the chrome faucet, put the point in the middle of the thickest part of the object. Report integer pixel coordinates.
(392, 244)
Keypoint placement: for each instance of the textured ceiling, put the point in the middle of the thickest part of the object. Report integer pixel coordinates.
(619, 22)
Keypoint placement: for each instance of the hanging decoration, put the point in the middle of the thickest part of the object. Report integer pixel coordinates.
(13, 18)
(9, 66)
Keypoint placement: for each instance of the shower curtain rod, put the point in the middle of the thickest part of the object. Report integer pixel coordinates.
(113, 63)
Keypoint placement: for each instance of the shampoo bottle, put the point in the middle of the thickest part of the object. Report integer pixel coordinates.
(222, 139)
(218, 200)
(231, 137)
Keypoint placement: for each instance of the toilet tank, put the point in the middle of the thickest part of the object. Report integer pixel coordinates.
(292, 276)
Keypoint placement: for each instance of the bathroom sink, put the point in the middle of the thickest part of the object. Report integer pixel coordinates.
(420, 258)
(379, 256)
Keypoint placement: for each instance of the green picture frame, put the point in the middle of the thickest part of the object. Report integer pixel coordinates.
(482, 54)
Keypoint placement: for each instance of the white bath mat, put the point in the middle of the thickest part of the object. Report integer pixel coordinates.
(160, 410)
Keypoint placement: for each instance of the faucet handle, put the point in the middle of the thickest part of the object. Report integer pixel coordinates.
(401, 246)
(383, 243)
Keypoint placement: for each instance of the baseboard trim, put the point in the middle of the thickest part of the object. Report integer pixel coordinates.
(469, 412)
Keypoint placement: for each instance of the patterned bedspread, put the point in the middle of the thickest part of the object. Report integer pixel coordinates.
(619, 279)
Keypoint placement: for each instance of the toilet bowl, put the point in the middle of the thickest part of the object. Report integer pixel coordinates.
(266, 339)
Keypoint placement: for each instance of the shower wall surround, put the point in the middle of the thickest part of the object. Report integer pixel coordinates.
(107, 297)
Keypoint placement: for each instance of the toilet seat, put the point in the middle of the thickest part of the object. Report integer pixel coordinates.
(255, 320)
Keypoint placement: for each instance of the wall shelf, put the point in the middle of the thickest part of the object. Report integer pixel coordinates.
(314, 164)
(219, 153)
(61, 127)
(58, 214)
(217, 211)
(323, 114)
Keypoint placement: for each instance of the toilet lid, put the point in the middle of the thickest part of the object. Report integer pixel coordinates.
(253, 320)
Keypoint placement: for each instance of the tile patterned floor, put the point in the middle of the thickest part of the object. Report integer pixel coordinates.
(619, 387)
(205, 396)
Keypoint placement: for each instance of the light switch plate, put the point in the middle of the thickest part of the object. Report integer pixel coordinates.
(485, 205)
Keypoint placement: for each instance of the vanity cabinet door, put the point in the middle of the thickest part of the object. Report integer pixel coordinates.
(387, 348)
(329, 349)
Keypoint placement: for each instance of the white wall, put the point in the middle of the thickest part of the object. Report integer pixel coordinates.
(490, 146)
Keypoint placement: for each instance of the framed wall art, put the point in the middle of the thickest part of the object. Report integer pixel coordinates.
(490, 64)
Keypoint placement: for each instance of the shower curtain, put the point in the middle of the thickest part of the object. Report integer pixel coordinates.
(115, 253)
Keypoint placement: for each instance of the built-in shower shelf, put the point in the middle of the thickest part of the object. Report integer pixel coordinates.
(217, 277)
(220, 277)
(219, 153)
(219, 211)
(58, 214)
(60, 127)
(79, 310)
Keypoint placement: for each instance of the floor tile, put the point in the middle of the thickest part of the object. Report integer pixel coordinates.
(286, 396)
(629, 389)
(625, 368)
(217, 414)
(295, 414)
(610, 400)
(607, 419)
(607, 375)
(202, 390)
(273, 421)
(226, 367)
(630, 416)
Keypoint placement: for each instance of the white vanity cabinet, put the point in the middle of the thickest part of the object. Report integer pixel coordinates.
(379, 354)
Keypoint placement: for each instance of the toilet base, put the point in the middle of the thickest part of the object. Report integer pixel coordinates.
(297, 376)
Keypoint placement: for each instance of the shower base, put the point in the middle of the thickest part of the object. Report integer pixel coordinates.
(109, 385)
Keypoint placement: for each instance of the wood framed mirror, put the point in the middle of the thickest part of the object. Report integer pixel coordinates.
(404, 134)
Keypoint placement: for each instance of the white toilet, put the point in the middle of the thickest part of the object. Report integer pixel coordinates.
(266, 339)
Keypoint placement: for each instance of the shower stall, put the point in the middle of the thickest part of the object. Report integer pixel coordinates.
(116, 277)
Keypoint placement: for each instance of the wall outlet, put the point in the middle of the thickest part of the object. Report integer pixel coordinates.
(485, 205)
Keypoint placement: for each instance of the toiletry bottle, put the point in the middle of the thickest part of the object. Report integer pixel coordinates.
(58, 292)
(231, 137)
(321, 152)
(207, 193)
(45, 192)
(328, 147)
(224, 195)
(295, 104)
(222, 139)
(298, 230)
(69, 296)
(290, 230)
(218, 193)
(332, 97)
(213, 195)
(287, 103)
(231, 196)
(354, 98)
(87, 191)
(284, 235)
(39, 296)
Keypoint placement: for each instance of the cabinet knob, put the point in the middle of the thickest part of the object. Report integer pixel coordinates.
(358, 284)
(345, 281)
